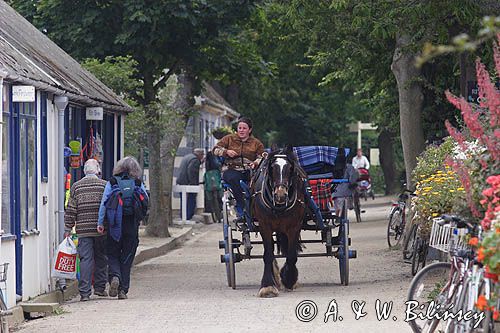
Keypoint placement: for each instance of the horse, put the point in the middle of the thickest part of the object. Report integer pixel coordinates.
(278, 193)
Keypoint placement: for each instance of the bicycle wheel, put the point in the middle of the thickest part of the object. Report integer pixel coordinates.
(410, 243)
(429, 285)
(415, 260)
(394, 227)
(357, 207)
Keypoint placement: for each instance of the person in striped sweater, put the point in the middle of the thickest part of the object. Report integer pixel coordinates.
(82, 212)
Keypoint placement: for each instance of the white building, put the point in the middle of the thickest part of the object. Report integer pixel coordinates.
(45, 98)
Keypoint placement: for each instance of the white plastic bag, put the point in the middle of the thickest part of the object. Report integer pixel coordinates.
(65, 263)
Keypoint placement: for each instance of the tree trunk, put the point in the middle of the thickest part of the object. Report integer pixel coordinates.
(157, 221)
(180, 112)
(467, 73)
(385, 144)
(410, 104)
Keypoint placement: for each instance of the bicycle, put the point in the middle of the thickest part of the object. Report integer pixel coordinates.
(420, 250)
(4, 325)
(397, 219)
(449, 286)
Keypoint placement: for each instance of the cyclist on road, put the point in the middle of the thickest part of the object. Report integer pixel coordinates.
(360, 160)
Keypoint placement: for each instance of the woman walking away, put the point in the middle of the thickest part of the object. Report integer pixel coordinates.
(124, 204)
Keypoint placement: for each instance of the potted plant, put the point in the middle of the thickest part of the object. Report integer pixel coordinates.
(220, 132)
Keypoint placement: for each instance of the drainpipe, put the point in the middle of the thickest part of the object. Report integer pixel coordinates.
(61, 103)
(2, 75)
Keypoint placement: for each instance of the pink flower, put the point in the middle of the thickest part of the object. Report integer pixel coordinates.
(488, 192)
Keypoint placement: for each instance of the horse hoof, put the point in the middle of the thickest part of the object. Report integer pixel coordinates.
(267, 292)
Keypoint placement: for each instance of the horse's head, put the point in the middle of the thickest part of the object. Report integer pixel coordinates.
(281, 172)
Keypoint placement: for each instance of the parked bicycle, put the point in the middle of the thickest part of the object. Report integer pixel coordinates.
(420, 248)
(451, 286)
(4, 325)
(397, 219)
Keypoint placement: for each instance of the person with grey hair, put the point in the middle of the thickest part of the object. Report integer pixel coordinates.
(123, 205)
(83, 211)
(189, 175)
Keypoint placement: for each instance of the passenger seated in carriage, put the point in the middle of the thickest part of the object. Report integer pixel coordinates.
(241, 152)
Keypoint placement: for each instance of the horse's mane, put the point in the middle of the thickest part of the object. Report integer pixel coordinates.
(290, 154)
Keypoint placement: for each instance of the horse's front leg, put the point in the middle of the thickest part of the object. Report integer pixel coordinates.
(289, 273)
(268, 285)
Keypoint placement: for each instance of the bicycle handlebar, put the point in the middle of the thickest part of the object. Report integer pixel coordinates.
(457, 220)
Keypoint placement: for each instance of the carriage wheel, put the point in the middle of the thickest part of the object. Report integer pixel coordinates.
(344, 248)
(228, 248)
(231, 272)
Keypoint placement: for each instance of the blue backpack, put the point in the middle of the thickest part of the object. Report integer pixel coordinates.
(127, 187)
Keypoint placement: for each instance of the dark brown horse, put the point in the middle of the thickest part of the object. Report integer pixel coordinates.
(278, 204)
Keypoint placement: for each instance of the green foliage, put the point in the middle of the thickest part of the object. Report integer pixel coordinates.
(377, 179)
(432, 159)
(119, 73)
(462, 42)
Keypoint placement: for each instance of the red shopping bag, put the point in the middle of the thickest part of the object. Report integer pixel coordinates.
(65, 263)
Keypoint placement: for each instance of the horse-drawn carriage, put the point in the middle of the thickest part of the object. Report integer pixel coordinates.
(290, 192)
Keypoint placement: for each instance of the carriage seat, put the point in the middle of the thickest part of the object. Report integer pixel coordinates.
(321, 192)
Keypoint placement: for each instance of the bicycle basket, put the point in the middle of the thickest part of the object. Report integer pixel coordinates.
(442, 237)
(3, 272)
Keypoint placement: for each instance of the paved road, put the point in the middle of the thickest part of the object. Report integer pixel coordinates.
(186, 291)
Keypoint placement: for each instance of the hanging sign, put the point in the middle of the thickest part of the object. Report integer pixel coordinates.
(23, 94)
(96, 113)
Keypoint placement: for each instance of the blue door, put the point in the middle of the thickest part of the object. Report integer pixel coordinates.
(23, 180)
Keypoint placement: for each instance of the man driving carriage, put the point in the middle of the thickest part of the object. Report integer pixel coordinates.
(241, 152)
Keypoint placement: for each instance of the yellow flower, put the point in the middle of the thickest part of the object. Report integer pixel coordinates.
(434, 214)
(436, 192)
(460, 189)
(423, 176)
(451, 191)
(439, 172)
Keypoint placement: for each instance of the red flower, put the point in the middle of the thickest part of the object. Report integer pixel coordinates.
(473, 241)
(480, 254)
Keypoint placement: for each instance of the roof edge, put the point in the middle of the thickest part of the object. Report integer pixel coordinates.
(72, 96)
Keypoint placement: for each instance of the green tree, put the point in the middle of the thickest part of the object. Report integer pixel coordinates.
(370, 46)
